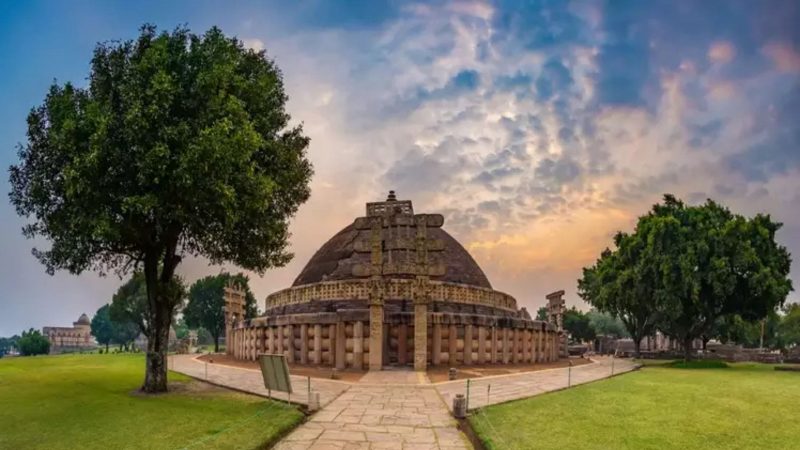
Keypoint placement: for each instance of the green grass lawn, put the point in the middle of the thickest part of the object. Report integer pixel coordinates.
(745, 406)
(90, 401)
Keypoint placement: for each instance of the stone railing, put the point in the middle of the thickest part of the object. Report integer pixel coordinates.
(439, 291)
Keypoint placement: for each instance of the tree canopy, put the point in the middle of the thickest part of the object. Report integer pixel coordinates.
(179, 146)
(578, 324)
(32, 342)
(102, 327)
(685, 267)
(207, 299)
(605, 324)
(621, 283)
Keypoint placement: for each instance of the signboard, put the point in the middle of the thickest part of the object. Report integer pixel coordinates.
(275, 371)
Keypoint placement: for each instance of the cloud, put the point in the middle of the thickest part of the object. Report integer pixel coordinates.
(253, 43)
(785, 57)
(721, 52)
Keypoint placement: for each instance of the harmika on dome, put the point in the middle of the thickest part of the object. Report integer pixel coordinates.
(394, 288)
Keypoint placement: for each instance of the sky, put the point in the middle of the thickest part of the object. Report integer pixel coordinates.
(537, 128)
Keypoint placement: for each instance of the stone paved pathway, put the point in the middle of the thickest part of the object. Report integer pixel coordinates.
(250, 380)
(395, 409)
(380, 417)
(502, 388)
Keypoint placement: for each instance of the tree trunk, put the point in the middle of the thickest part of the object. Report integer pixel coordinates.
(106, 347)
(216, 344)
(637, 347)
(159, 317)
(155, 379)
(687, 348)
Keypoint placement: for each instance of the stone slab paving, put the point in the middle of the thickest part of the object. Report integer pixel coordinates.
(394, 409)
(380, 417)
(250, 380)
(502, 388)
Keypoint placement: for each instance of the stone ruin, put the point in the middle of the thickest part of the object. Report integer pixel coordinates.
(393, 288)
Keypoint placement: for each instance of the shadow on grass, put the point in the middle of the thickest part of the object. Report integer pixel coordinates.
(698, 364)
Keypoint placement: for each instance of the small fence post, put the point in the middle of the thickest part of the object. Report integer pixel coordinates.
(612, 363)
(488, 390)
(569, 374)
(467, 402)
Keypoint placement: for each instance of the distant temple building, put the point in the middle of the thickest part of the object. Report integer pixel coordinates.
(71, 339)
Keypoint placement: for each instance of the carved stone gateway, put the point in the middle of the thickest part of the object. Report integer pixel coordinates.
(391, 288)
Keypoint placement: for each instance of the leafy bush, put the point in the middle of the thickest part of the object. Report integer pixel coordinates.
(33, 343)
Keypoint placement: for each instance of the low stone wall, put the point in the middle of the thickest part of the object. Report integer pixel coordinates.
(341, 339)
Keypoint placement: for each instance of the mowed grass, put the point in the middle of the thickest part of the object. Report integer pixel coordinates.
(745, 406)
(91, 402)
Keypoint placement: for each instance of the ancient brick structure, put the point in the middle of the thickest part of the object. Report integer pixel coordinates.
(71, 339)
(392, 288)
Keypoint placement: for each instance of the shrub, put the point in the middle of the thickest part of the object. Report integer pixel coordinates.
(33, 343)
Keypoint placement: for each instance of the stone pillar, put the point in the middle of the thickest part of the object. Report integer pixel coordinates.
(261, 342)
(279, 336)
(376, 294)
(341, 341)
(528, 346)
(452, 344)
(304, 343)
(436, 344)
(376, 336)
(539, 349)
(494, 345)
(467, 344)
(358, 345)
(332, 343)
(505, 345)
(234, 297)
(481, 345)
(270, 341)
(290, 344)
(318, 344)
(420, 294)
(515, 345)
(421, 336)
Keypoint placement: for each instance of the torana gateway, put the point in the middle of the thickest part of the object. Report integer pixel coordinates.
(394, 288)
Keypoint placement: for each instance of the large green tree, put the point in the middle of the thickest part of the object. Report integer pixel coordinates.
(207, 299)
(129, 307)
(712, 263)
(605, 324)
(578, 325)
(789, 327)
(622, 284)
(7, 344)
(102, 327)
(32, 343)
(179, 146)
